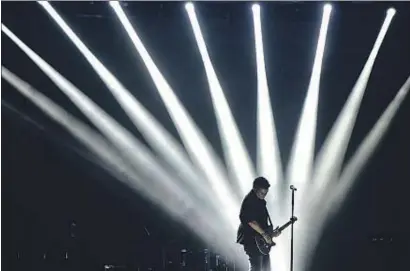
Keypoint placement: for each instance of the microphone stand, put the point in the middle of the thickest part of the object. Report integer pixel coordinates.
(291, 229)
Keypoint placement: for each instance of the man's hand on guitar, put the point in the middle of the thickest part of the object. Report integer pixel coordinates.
(267, 238)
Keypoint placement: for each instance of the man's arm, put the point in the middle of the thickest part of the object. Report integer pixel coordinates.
(247, 217)
(254, 225)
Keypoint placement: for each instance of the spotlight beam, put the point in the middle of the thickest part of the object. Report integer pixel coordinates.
(155, 134)
(268, 162)
(196, 144)
(330, 157)
(302, 153)
(268, 156)
(130, 147)
(236, 155)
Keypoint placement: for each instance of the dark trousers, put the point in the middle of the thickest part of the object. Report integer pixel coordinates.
(257, 261)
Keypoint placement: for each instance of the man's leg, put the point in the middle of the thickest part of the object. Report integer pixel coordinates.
(266, 263)
(255, 258)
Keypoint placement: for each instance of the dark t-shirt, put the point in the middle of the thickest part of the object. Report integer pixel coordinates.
(252, 209)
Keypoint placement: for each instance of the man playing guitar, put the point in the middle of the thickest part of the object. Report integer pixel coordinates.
(254, 233)
(254, 221)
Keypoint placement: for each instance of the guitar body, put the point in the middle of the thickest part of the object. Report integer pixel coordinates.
(263, 247)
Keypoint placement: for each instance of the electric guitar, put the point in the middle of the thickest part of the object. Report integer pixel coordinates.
(263, 247)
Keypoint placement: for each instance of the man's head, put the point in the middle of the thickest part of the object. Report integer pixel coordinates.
(261, 187)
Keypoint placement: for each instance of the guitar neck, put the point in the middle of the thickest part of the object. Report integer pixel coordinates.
(287, 224)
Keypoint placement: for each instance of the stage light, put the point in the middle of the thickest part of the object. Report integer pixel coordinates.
(256, 8)
(391, 11)
(327, 8)
(189, 6)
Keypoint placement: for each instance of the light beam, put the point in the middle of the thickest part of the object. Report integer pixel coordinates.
(236, 155)
(301, 158)
(268, 162)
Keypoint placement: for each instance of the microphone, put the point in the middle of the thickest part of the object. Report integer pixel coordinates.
(293, 188)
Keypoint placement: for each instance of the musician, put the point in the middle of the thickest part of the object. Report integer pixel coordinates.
(254, 219)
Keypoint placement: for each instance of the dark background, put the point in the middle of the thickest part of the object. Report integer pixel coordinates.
(47, 183)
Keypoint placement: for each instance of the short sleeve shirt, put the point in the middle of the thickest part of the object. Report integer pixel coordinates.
(252, 209)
